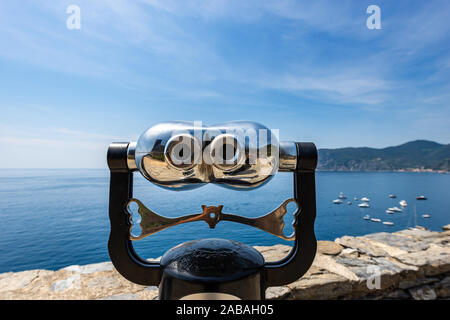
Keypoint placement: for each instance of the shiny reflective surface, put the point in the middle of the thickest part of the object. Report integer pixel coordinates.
(288, 156)
(185, 155)
(152, 161)
(180, 152)
(131, 163)
(227, 153)
(152, 222)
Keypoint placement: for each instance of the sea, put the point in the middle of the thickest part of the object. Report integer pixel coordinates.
(55, 218)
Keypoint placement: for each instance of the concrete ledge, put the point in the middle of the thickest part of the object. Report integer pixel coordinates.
(409, 264)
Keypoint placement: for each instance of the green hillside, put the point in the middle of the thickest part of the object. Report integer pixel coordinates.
(419, 154)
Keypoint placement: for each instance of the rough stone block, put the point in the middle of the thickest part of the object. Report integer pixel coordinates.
(433, 261)
(329, 248)
(277, 293)
(423, 293)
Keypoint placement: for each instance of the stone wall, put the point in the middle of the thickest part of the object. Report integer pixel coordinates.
(409, 264)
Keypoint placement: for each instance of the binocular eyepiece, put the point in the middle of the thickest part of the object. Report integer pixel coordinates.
(185, 155)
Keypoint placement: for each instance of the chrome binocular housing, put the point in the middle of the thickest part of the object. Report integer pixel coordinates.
(182, 155)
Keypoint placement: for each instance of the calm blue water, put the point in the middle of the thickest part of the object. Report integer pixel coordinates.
(55, 218)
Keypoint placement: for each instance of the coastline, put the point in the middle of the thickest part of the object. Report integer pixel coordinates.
(389, 171)
(407, 264)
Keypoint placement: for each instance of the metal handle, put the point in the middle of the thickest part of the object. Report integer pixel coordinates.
(152, 222)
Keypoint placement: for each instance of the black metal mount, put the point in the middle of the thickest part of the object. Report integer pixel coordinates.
(282, 272)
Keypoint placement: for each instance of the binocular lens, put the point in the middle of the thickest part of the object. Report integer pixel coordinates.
(183, 152)
(227, 153)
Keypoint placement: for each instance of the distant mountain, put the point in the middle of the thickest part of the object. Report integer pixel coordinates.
(419, 155)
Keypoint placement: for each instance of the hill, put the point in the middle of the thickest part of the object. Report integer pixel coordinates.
(419, 155)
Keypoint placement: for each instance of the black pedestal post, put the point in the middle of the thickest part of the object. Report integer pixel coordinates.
(212, 269)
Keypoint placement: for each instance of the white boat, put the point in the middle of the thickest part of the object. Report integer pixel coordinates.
(393, 196)
(341, 196)
(388, 223)
(349, 203)
(390, 211)
(355, 198)
(375, 220)
(364, 205)
(403, 203)
(366, 217)
(426, 216)
(365, 199)
(395, 209)
(337, 201)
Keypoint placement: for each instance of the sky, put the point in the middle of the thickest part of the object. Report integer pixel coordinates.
(312, 69)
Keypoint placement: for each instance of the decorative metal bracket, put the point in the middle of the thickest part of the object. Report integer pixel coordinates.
(152, 222)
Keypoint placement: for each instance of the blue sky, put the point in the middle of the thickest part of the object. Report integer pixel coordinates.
(309, 68)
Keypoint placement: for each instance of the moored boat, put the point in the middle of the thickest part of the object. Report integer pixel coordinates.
(421, 198)
(364, 205)
(337, 201)
(375, 220)
(403, 203)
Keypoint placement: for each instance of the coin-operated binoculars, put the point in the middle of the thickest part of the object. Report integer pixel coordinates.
(238, 155)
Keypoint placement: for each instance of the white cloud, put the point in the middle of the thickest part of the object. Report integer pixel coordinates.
(337, 88)
(155, 26)
(152, 47)
(328, 15)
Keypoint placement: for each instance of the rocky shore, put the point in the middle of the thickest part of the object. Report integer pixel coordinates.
(408, 264)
